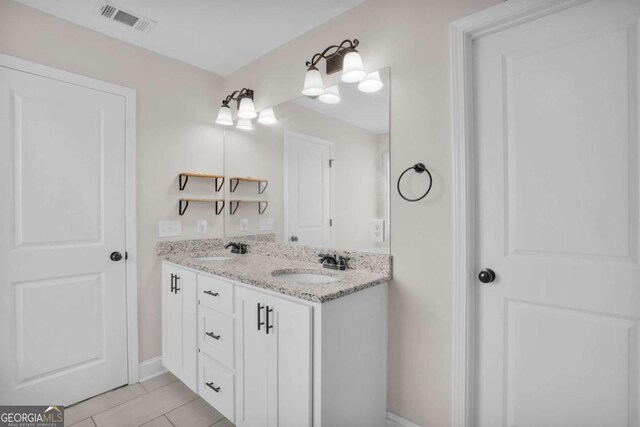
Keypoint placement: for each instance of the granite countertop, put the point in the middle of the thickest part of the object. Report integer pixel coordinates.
(256, 270)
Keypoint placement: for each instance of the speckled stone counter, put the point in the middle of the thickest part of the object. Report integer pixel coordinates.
(257, 269)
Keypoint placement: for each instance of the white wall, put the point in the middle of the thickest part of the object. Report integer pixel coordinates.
(176, 106)
(410, 36)
(260, 153)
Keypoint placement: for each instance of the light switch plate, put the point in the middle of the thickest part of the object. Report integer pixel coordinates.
(244, 224)
(202, 226)
(377, 230)
(266, 224)
(169, 228)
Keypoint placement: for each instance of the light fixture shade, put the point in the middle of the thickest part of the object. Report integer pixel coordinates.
(313, 85)
(224, 116)
(247, 110)
(244, 124)
(352, 68)
(371, 83)
(267, 117)
(331, 95)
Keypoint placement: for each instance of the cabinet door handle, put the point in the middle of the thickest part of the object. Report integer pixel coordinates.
(269, 310)
(212, 387)
(213, 294)
(260, 323)
(176, 288)
(212, 335)
(173, 282)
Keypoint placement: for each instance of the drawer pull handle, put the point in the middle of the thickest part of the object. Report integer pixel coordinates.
(212, 335)
(213, 294)
(269, 326)
(260, 322)
(214, 388)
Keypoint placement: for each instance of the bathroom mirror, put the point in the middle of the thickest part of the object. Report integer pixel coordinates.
(319, 176)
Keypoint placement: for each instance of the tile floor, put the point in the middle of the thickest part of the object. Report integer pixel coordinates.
(161, 401)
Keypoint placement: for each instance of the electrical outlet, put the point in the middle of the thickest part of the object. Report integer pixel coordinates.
(202, 226)
(266, 224)
(169, 228)
(244, 224)
(377, 230)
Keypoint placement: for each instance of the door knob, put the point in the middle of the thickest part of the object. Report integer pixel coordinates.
(487, 275)
(115, 256)
(294, 238)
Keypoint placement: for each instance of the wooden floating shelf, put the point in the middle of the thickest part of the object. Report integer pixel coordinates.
(184, 204)
(183, 177)
(237, 180)
(261, 210)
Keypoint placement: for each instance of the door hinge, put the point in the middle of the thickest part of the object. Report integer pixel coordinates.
(331, 162)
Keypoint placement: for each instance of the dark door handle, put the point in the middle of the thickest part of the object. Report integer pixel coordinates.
(175, 287)
(212, 335)
(173, 282)
(487, 275)
(269, 310)
(294, 238)
(260, 323)
(115, 256)
(212, 387)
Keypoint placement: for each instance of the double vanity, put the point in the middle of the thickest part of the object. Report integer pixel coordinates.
(271, 338)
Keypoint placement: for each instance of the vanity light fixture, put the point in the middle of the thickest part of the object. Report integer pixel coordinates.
(246, 109)
(267, 117)
(331, 95)
(244, 124)
(371, 83)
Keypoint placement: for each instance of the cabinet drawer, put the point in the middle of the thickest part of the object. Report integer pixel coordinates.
(215, 293)
(216, 336)
(216, 386)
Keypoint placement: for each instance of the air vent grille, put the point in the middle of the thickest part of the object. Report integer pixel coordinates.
(126, 17)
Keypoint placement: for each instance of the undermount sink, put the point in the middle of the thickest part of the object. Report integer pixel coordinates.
(212, 258)
(313, 278)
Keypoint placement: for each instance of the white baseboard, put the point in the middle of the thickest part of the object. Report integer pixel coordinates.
(151, 368)
(394, 420)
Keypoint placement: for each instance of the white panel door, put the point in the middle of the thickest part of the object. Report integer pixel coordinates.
(308, 190)
(251, 359)
(62, 212)
(556, 105)
(290, 363)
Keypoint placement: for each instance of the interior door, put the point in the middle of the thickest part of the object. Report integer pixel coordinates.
(290, 363)
(308, 190)
(252, 366)
(556, 116)
(62, 213)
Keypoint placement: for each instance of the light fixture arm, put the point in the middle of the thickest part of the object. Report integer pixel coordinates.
(331, 53)
(237, 95)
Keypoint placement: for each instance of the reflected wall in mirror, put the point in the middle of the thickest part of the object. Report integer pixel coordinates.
(319, 175)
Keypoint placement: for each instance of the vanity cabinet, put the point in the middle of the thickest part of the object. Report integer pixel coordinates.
(179, 327)
(264, 359)
(274, 337)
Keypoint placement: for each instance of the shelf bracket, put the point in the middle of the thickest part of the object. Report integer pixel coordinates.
(233, 210)
(233, 187)
(182, 209)
(219, 186)
(221, 208)
(261, 188)
(183, 184)
(260, 210)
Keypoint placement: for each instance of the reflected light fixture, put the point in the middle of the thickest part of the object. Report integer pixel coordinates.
(331, 95)
(244, 124)
(267, 117)
(371, 83)
(246, 109)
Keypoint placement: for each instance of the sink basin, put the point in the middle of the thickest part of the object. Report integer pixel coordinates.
(212, 258)
(306, 278)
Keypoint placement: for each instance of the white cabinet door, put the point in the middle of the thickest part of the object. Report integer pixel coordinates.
(252, 377)
(179, 324)
(274, 361)
(290, 363)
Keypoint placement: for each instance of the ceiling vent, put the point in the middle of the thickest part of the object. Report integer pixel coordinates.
(126, 17)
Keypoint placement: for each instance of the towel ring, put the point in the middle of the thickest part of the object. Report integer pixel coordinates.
(419, 168)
